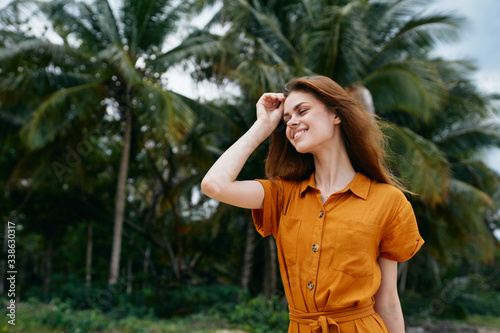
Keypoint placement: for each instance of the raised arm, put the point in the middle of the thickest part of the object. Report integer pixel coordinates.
(220, 181)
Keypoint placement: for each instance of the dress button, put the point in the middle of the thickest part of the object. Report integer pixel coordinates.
(315, 247)
(310, 285)
(320, 215)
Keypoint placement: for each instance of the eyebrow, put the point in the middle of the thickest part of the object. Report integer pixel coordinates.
(294, 108)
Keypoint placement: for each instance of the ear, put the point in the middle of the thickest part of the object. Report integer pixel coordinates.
(336, 119)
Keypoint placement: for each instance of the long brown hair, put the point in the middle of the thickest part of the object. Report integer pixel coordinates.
(364, 141)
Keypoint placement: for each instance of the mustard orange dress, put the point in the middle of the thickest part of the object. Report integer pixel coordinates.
(328, 252)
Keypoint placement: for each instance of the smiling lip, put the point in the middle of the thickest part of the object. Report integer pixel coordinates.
(298, 134)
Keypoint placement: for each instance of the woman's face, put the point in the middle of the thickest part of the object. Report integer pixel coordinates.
(310, 125)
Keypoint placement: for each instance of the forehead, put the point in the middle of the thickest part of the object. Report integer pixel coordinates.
(296, 98)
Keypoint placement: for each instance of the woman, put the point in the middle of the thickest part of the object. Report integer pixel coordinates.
(340, 219)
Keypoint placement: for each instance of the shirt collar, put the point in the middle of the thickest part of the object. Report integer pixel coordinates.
(360, 185)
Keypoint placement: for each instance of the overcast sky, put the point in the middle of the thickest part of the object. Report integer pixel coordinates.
(480, 42)
(480, 39)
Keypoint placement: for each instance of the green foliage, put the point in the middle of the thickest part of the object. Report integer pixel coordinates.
(457, 297)
(189, 299)
(254, 315)
(218, 309)
(58, 317)
(485, 321)
(114, 301)
(260, 315)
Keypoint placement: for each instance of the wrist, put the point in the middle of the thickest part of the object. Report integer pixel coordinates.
(263, 128)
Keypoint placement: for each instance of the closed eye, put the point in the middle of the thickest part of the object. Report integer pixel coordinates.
(287, 118)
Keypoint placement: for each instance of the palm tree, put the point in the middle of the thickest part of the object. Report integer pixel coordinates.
(381, 49)
(102, 70)
(463, 129)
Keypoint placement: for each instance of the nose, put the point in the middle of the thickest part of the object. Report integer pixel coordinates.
(293, 122)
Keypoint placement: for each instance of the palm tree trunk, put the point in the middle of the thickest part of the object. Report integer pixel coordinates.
(270, 269)
(362, 95)
(145, 269)
(129, 276)
(246, 270)
(120, 197)
(47, 272)
(181, 266)
(273, 267)
(88, 266)
(173, 258)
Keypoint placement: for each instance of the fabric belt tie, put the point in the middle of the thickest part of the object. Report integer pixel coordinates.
(322, 322)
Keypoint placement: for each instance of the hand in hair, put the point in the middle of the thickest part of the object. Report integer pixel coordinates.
(270, 109)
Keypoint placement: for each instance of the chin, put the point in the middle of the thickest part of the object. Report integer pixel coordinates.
(301, 150)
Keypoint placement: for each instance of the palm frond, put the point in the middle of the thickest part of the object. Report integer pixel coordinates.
(148, 22)
(256, 77)
(412, 86)
(471, 195)
(420, 162)
(336, 45)
(116, 56)
(416, 36)
(30, 47)
(465, 102)
(232, 119)
(199, 44)
(272, 24)
(57, 113)
(170, 111)
(13, 117)
(477, 174)
(107, 21)
(464, 139)
(77, 20)
(29, 87)
(466, 208)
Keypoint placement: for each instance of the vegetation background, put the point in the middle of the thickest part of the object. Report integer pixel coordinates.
(101, 160)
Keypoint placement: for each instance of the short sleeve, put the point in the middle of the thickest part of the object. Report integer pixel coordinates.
(401, 239)
(266, 219)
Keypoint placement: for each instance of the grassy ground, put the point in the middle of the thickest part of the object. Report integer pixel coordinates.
(43, 318)
(195, 324)
(474, 324)
(485, 321)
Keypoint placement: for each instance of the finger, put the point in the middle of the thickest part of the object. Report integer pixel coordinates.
(273, 96)
(282, 107)
(279, 96)
(271, 100)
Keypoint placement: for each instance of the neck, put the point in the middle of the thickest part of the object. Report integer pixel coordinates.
(333, 170)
